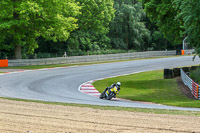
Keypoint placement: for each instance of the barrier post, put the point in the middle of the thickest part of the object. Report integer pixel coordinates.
(197, 91)
(3, 63)
(182, 52)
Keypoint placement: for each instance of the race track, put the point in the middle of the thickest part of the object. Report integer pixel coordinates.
(61, 84)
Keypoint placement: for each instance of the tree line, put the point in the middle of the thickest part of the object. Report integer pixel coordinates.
(176, 19)
(58, 26)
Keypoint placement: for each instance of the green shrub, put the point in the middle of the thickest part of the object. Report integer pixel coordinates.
(195, 75)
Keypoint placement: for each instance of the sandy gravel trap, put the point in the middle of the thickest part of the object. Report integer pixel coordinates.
(23, 117)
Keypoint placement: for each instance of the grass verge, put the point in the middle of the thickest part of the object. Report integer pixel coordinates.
(149, 87)
(143, 110)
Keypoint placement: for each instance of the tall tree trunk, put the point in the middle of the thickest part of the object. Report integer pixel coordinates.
(18, 52)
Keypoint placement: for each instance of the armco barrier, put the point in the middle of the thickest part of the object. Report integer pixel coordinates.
(187, 52)
(90, 58)
(3, 63)
(194, 87)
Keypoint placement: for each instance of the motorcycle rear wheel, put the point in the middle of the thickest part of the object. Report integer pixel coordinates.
(109, 97)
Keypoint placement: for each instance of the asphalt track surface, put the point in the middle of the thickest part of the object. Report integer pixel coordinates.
(61, 84)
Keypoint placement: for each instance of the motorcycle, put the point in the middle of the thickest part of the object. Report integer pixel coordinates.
(109, 94)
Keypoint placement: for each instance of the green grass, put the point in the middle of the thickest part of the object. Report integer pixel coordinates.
(149, 87)
(144, 110)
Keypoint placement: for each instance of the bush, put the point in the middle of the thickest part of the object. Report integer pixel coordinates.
(195, 75)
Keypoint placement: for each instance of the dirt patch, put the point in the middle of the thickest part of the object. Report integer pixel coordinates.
(25, 117)
(184, 89)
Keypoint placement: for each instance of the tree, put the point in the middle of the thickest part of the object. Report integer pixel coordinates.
(23, 21)
(127, 31)
(93, 25)
(165, 14)
(157, 41)
(190, 13)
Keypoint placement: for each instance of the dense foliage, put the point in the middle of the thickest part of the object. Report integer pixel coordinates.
(95, 26)
(190, 13)
(176, 19)
(127, 31)
(164, 14)
(23, 21)
(195, 75)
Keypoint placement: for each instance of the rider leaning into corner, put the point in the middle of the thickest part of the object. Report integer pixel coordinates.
(117, 85)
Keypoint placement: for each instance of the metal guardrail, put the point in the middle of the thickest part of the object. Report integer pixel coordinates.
(189, 52)
(194, 87)
(89, 58)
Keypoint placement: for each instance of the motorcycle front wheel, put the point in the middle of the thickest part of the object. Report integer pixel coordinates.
(102, 95)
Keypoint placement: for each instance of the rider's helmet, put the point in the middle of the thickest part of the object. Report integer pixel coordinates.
(118, 84)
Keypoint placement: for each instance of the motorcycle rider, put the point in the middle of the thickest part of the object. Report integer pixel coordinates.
(118, 84)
